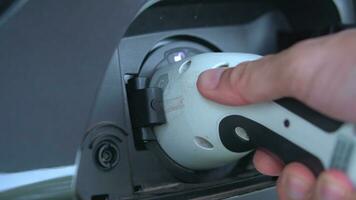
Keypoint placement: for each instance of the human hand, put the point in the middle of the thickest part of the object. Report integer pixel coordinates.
(321, 73)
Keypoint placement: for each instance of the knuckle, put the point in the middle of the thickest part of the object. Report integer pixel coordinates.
(239, 78)
(239, 75)
(303, 63)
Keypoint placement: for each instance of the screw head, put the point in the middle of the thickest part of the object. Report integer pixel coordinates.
(107, 155)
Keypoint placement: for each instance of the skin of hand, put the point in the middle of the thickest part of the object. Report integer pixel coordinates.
(320, 72)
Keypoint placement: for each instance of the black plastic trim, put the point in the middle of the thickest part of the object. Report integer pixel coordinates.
(323, 122)
(261, 136)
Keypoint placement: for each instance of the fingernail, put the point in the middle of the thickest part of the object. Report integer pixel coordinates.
(210, 79)
(297, 188)
(329, 189)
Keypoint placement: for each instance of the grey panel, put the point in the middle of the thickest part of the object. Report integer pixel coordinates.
(53, 55)
(347, 10)
(266, 194)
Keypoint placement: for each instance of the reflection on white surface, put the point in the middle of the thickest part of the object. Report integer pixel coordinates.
(13, 180)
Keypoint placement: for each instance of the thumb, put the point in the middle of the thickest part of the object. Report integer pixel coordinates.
(249, 82)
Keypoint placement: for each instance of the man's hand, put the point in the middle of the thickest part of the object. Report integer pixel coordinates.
(319, 72)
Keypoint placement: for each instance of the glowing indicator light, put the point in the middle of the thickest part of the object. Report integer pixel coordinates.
(180, 56)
